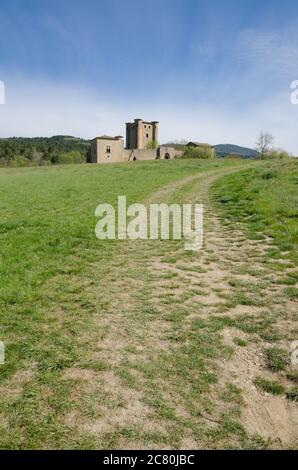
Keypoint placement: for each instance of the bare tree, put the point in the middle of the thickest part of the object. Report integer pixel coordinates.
(263, 144)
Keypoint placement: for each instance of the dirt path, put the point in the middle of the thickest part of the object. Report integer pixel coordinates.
(182, 337)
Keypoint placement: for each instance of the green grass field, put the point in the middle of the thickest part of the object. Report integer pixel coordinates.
(266, 199)
(132, 344)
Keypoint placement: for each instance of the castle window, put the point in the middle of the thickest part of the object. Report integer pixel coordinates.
(108, 149)
(147, 135)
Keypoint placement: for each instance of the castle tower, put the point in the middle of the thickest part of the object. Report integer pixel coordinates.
(140, 133)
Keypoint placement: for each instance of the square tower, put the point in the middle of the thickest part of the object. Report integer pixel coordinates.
(140, 133)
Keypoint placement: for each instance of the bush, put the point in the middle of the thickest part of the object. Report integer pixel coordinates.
(22, 161)
(278, 154)
(68, 158)
(199, 152)
(152, 145)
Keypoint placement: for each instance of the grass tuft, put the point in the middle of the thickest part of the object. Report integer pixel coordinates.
(273, 387)
(277, 359)
(292, 394)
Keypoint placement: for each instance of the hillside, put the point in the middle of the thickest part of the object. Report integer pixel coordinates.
(23, 151)
(223, 150)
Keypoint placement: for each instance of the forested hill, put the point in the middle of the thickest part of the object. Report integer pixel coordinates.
(224, 150)
(21, 151)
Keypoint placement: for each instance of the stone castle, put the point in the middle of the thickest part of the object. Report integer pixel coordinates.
(141, 138)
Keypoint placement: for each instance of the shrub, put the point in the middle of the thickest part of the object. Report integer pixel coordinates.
(278, 154)
(199, 152)
(68, 157)
(22, 161)
(152, 145)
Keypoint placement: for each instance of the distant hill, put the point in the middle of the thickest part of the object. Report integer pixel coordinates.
(223, 150)
(67, 142)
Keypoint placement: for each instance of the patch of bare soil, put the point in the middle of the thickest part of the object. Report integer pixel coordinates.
(272, 417)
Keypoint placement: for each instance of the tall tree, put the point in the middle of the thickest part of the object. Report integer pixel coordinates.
(264, 143)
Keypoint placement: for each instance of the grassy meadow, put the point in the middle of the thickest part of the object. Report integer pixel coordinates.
(138, 344)
(266, 199)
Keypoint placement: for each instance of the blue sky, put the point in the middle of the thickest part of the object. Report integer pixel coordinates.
(211, 70)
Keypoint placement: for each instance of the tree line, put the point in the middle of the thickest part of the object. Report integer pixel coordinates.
(19, 151)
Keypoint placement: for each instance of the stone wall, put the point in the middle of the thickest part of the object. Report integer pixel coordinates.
(137, 154)
(167, 153)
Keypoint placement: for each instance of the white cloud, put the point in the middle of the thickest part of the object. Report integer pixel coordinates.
(272, 50)
(269, 51)
(45, 109)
